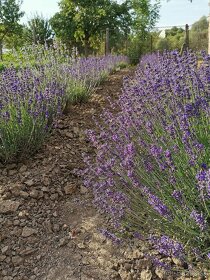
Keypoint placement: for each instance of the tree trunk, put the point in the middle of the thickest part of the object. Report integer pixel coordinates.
(86, 48)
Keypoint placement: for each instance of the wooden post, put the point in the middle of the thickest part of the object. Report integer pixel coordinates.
(187, 37)
(151, 43)
(107, 50)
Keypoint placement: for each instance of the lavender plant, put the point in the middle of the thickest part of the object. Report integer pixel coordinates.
(151, 172)
(86, 73)
(36, 88)
(29, 102)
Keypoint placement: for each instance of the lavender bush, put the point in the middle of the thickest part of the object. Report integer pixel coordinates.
(29, 102)
(86, 73)
(37, 88)
(151, 172)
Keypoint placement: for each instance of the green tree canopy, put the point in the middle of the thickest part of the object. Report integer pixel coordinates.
(38, 30)
(82, 22)
(10, 15)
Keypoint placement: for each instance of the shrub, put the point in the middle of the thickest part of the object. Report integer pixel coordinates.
(151, 172)
(29, 102)
(38, 84)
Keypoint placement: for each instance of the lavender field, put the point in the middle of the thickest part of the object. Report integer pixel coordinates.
(43, 85)
(151, 175)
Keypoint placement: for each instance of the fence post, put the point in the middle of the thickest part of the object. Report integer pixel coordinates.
(107, 51)
(187, 37)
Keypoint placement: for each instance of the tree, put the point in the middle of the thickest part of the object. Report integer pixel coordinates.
(10, 15)
(82, 22)
(199, 35)
(38, 30)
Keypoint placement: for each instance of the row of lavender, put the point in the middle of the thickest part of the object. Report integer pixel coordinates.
(32, 96)
(152, 170)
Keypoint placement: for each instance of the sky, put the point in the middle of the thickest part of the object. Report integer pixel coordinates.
(173, 12)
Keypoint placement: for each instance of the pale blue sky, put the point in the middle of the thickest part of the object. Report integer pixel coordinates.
(174, 12)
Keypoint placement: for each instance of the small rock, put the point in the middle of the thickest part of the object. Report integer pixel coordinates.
(29, 183)
(2, 258)
(45, 189)
(69, 135)
(12, 172)
(11, 166)
(63, 241)
(146, 274)
(160, 272)
(28, 251)
(8, 206)
(23, 214)
(55, 214)
(28, 231)
(46, 181)
(70, 189)
(34, 193)
(23, 194)
(81, 246)
(4, 249)
(83, 190)
(48, 226)
(127, 266)
(56, 228)
(76, 130)
(178, 262)
(54, 196)
(23, 168)
(17, 260)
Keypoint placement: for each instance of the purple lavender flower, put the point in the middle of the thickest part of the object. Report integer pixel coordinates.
(199, 219)
(168, 247)
(111, 236)
(177, 194)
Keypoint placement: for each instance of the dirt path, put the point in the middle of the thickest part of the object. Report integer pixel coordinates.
(49, 229)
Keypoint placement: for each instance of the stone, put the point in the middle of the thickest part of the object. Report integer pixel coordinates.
(63, 241)
(83, 190)
(29, 183)
(4, 249)
(146, 274)
(12, 172)
(11, 166)
(2, 258)
(8, 206)
(28, 251)
(17, 260)
(34, 193)
(23, 194)
(28, 231)
(127, 266)
(70, 189)
(48, 226)
(178, 262)
(161, 273)
(23, 168)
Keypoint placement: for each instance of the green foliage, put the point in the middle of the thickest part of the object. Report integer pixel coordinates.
(19, 140)
(38, 30)
(10, 15)
(77, 92)
(83, 23)
(199, 35)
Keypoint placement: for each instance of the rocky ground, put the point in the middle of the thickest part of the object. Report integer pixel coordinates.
(49, 229)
